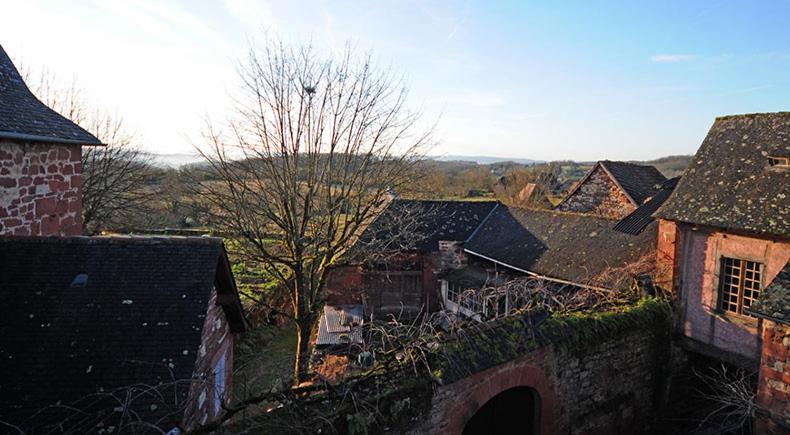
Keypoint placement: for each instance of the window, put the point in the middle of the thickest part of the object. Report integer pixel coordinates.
(740, 284)
(779, 162)
(219, 384)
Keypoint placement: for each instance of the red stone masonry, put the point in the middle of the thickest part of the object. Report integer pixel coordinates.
(40, 189)
(599, 195)
(773, 390)
(208, 394)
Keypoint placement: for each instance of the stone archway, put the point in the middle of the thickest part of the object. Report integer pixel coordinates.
(513, 411)
(458, 403)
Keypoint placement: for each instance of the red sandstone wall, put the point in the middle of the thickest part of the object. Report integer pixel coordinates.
(599, 195)
(700, 318)
(612, 388)
(216, 345)
(773, 390)
(666, 252)
(345, 286)
(40, 189)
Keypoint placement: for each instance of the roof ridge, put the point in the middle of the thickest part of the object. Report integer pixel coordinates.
(753, 115)
(202, 240)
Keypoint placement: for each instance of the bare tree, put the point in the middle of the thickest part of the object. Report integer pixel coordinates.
(114, 176)
(306, 163)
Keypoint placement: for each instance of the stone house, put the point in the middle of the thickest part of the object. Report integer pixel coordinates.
(612, 189)
(40, 162)
(724, 237)
(91, 323)
(562, 249)
(406, 280)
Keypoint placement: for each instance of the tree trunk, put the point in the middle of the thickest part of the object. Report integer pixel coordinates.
(304, 327)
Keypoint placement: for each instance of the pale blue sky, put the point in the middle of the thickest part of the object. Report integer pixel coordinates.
(547, 80)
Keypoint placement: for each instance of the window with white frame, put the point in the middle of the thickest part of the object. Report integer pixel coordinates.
(740, 284)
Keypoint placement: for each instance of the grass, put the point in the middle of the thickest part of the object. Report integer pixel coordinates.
(264, 358)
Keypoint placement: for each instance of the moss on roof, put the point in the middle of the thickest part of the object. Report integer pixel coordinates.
(730, 184)
(774, 302)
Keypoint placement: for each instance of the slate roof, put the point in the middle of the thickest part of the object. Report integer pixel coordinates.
(730, 184)
(434, 221)
(639, 182)
(137, 319)
(774, 302)
(24, 117)
(640, 218)
(566, 246)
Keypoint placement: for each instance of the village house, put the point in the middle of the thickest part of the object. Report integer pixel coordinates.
(40, 162)
(91, 323)
(612, 189)
(99, 333)
(406, 280)
(561, 249)
(724, 237)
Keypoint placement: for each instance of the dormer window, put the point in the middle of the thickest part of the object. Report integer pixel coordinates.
(779, 162)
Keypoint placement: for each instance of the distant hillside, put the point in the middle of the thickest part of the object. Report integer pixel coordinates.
(670, 166)
(483, 160)
(175, 160)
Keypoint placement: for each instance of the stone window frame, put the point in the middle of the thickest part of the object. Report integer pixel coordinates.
(721, 276)
(779, 161)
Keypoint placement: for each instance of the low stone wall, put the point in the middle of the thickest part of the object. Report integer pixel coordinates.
(40, 189)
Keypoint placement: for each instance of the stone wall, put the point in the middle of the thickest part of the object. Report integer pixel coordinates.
(773, 390)
(212, 385)
(730, 337)
(40, 189)
(599, 195)
(614, 387)
(667, 250)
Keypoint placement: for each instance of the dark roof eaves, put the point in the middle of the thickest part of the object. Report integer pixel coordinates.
(48, 139)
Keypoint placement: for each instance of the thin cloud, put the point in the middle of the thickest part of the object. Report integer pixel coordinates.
(671, 58)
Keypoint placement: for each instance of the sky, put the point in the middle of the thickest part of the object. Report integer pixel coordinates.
(580, 80)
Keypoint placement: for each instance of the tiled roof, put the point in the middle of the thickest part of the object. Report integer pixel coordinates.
(571, 247)
(640, 182)
(137, 316)
(24, 117)
(436, 220)
(774, 302)
(730, 184)
(640, 218)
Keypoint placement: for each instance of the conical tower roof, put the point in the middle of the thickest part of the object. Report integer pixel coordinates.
(23, 117)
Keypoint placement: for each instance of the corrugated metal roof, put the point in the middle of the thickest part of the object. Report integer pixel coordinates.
(340, 325)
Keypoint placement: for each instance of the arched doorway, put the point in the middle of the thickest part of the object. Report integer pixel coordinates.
(513, 411)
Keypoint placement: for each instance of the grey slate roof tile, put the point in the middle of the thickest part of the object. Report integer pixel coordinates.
(640, 182)
(640, 218)
(24, 117)
(137, 319)
(568, 246)
(438, 220)
(730, 184)
(774, 302)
